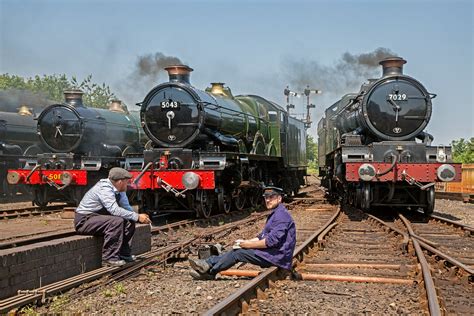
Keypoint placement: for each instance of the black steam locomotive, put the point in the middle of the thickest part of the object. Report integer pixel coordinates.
(368, 148)
(212, 150)
(82, 143)
(18, 139)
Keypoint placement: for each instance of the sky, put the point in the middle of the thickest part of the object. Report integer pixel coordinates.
(255, 47)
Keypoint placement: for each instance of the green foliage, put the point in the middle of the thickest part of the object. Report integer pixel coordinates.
(58, 303)
(53, 86)
(28, 310)
(463, 150)
(312, 155)
(118, 289)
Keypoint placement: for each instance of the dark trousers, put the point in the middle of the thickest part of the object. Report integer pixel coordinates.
(228, 259)
(117, 232)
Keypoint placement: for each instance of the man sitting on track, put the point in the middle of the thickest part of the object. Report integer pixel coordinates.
(105, 211)
(273, 246)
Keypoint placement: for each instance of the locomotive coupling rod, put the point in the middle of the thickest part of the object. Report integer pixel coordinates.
(135, 181)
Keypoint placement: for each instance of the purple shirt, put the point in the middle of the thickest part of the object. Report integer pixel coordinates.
(280, 238)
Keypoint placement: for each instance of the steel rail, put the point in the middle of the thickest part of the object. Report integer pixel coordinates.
(238, 301)
(433, 303)
(29, 211)
(115, 273)
(439, 253)
(460, 225)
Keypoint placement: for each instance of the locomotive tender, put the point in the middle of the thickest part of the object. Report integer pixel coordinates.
(368, 148)
(83, 144)
(212, 150)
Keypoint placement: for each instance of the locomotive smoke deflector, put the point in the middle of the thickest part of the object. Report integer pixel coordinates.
(392, 66)
(179, 73)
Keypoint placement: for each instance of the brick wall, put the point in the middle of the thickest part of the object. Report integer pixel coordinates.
(33, 266)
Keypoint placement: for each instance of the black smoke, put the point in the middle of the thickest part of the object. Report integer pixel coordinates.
(148, 71)
(12, 99)
(345, 75)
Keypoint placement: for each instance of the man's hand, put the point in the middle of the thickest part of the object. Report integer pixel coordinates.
(253, 244)
(144, 219)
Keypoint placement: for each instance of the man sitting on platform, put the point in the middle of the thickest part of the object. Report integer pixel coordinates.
(105, 211)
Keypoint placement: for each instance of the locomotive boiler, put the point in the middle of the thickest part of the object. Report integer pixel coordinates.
(83, 144)
(212, 150)
(373, 149)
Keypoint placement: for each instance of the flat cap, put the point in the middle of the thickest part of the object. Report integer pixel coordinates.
(117, 173)
(268, 191)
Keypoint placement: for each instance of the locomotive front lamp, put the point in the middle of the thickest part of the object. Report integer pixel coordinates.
(446, 173)
(441, 155)
(366, 172)
(191, 180)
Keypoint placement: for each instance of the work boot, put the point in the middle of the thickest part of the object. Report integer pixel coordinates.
(200, 266)
(201, 276)
(130, 258)
(113, 263)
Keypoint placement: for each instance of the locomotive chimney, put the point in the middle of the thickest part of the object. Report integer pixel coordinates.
(116, 106)
(392, 66)
(179, 73)
(73, 97)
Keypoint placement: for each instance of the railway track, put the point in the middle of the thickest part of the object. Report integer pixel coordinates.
(380, 266)
(113, 274)
(29, 211)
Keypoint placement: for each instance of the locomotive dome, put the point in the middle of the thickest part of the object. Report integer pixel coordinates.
(396, 107)
(170, 113)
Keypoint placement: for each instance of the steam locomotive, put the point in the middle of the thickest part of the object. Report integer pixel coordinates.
(373, 150)
(17, 139)
(82, 143)
(213, 151)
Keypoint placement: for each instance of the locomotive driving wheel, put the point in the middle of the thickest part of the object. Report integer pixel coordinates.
(204, 203)
(224, 201)
(255, 198)
(430, 201)
(365, 201)
(239, 199)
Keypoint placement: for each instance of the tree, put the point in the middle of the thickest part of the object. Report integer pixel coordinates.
(463, 151)
(312, 154)
(53, 86)
(311, 149)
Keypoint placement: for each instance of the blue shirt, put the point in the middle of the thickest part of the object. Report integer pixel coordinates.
(103, 195)
(280, 238)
